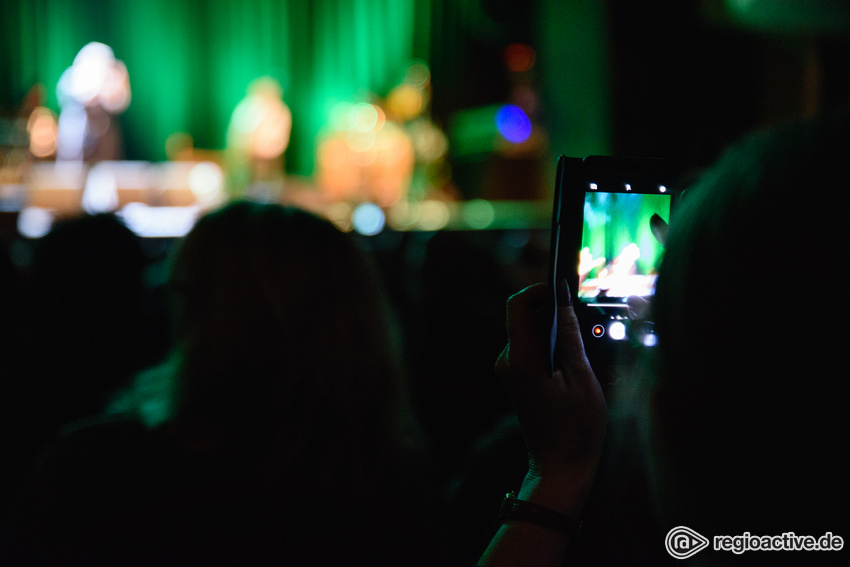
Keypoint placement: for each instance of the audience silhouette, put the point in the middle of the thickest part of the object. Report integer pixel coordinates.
(84, 325)
(278, 430)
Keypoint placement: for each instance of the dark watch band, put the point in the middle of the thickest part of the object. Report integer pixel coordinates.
(513, 509)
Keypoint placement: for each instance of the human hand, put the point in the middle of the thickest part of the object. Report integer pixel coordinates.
(562, 412)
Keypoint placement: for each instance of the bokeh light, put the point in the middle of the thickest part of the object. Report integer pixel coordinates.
(368, 219)
(206, 180)
(42, 127)
(418, 74)
(433, 215)
(478, 214)
(519, 57)
(403, 215)
(405, 102)
(513, 123)
(365, 117)
(34, 222)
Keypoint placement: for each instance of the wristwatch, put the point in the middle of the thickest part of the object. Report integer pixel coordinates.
(514, 509)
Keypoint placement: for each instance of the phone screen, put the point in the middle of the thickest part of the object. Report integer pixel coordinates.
(619, 250)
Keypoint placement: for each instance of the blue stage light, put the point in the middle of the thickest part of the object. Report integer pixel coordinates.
(513, 123)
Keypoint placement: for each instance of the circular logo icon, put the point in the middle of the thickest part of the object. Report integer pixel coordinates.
(683, 542)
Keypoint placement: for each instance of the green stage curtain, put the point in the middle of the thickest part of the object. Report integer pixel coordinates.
(190, 61)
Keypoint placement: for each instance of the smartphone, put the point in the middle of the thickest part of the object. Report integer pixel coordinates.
(608, 224)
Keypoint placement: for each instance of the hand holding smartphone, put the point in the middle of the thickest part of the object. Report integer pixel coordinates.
(608, 224)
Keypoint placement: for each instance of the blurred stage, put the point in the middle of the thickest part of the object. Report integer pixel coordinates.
(164, 200)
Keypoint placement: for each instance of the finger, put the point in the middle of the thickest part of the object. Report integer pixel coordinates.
(528, 313)
(529, 317)
(659, 227)
(569, 347)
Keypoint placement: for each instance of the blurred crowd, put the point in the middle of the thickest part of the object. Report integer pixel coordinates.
(98, 326)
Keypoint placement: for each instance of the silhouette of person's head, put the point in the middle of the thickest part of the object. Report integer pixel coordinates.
(84, 313)
(285, 348)
(750, 398)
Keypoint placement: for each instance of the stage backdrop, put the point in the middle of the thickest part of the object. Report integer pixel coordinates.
(190, 61)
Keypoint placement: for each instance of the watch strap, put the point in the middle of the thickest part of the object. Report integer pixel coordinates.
(515, 509)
